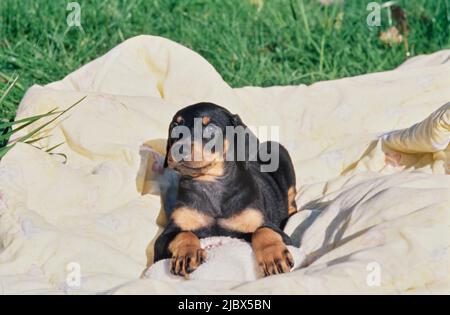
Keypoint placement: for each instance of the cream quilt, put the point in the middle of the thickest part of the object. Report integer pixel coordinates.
(371, 155)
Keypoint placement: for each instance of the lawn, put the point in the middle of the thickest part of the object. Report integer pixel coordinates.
(250, 42)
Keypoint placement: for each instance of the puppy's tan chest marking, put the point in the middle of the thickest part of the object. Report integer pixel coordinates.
(246, 221)
(190, 219)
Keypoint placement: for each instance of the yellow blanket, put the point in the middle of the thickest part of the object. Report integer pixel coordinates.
(371, 156)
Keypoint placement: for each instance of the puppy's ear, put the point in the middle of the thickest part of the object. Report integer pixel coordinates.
(236, 120)
(168, 146)
(249, 137)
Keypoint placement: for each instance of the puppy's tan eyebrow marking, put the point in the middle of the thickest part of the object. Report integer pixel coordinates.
(190, 219)
(206, 120)
(179, 119)
(246, 221)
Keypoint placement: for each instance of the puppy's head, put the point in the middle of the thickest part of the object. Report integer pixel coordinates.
(197, 144)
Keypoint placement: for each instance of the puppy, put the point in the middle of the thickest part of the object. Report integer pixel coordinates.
(225, 192)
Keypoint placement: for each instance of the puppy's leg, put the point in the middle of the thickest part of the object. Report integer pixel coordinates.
(161, 248)
(180, 242)
(186, 252)
(271, 252)
(183, 247)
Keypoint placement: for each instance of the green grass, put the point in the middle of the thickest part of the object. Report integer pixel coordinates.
(282, 42)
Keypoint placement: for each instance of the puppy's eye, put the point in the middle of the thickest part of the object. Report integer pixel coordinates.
(173, 124)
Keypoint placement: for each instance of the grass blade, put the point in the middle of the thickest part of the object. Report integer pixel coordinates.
(54, 147)
(27, 121)
(8, 89)
(5, 150)
(4, 125)
(35, 140)
(61, 154)
(36, 130)
(7, 135)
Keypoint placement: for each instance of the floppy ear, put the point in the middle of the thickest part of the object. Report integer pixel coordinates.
(250, 136)
(236, 120)
(168, 146)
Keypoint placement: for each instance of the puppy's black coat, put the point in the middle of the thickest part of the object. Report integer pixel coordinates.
(227, 198)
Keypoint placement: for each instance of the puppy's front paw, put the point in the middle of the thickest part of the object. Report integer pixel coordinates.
(187, 254)
(271, 253)
(186, 260)
(274, 259)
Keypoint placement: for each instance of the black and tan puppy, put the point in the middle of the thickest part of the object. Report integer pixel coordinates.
(223, 196)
